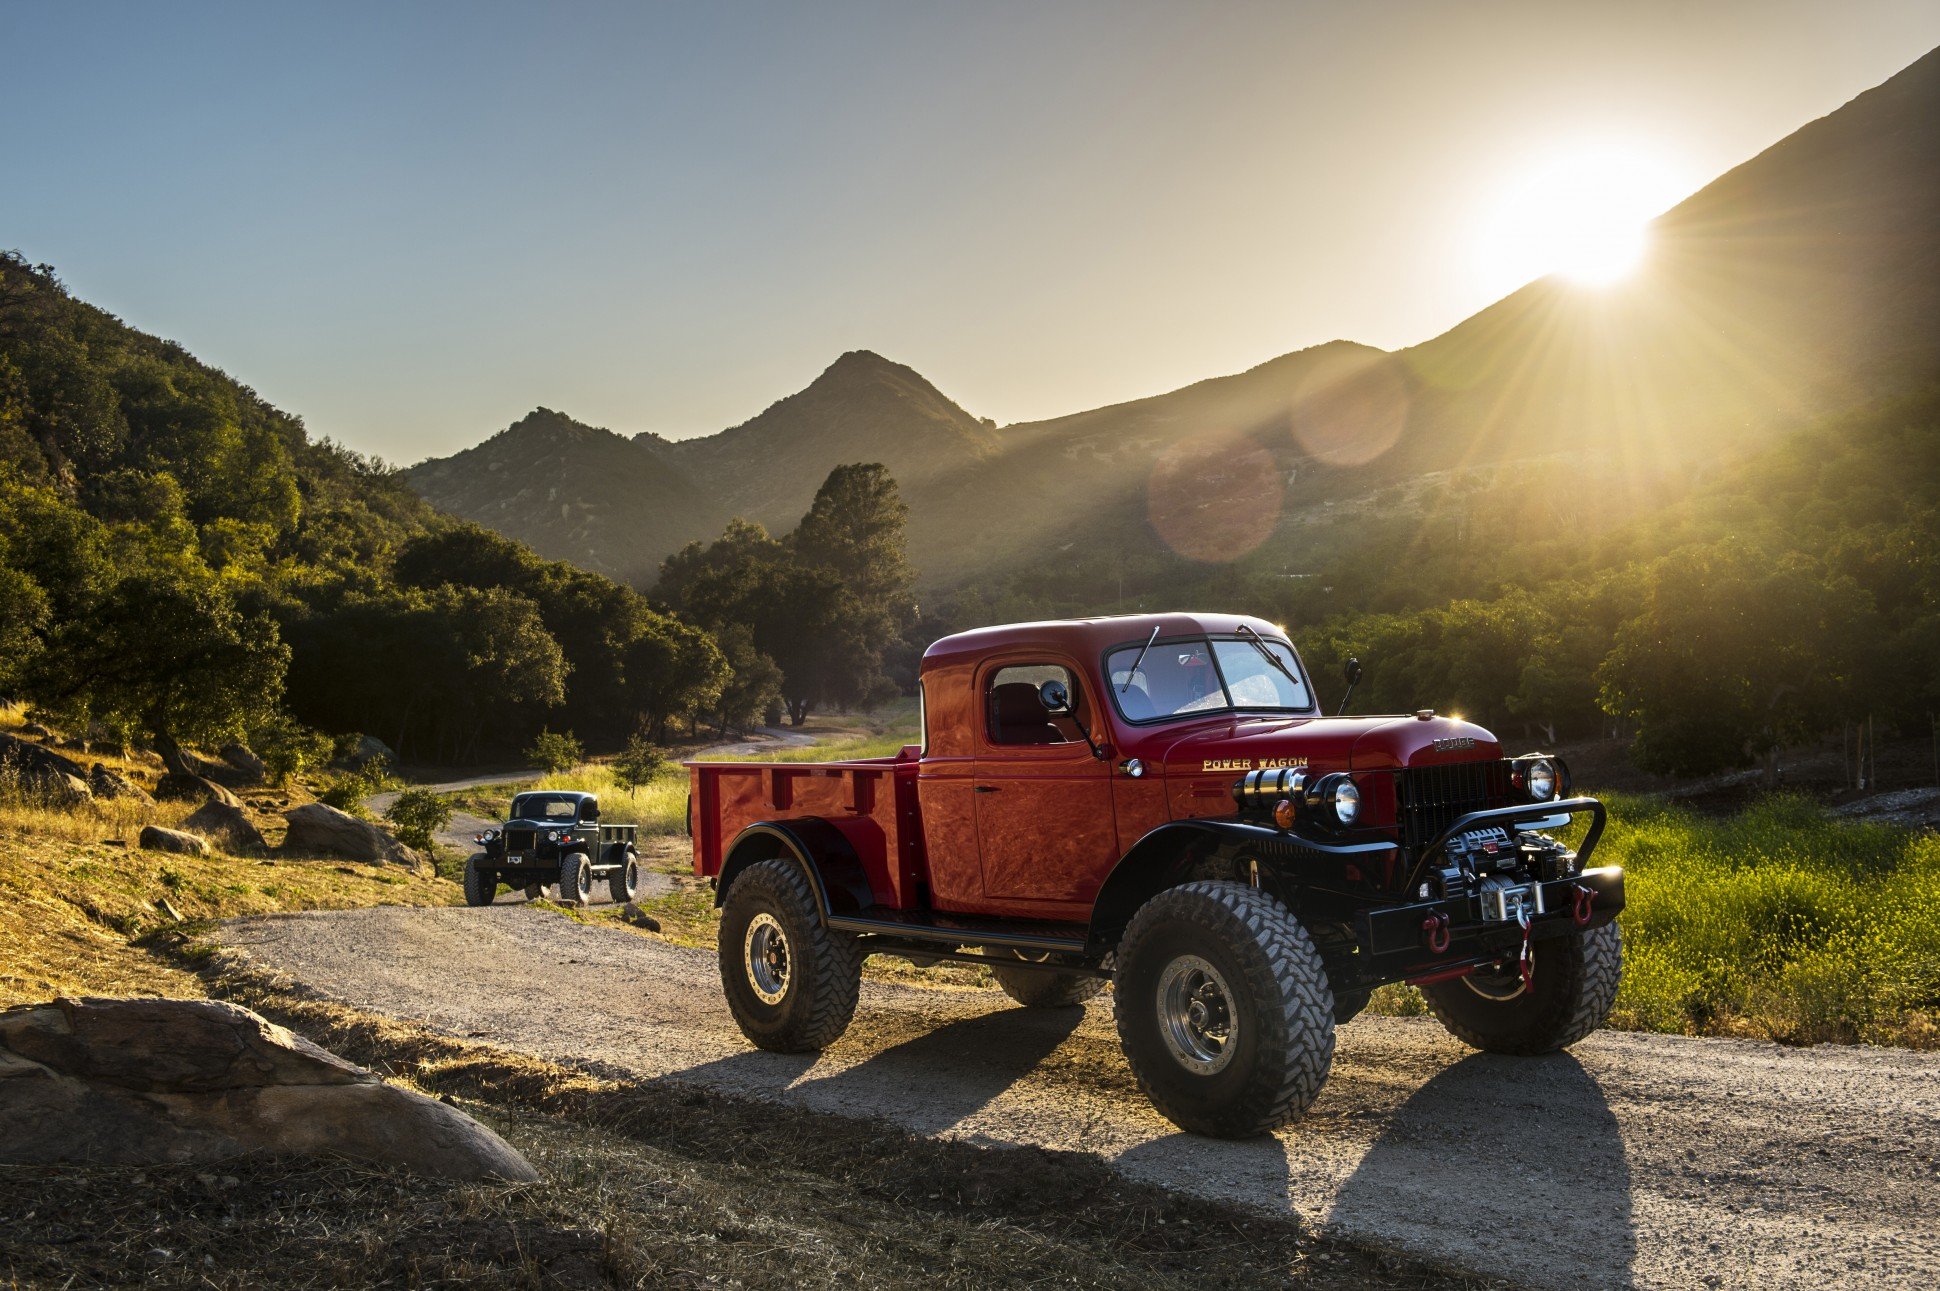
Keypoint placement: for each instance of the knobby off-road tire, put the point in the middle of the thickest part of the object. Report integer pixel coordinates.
(790, 981)
(1041, 988)
(1280, 1011)
(533, 891)
(623, 884)
(575, 879)
(1575, 983)
(481, 885)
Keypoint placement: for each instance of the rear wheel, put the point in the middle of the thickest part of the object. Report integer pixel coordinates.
(623, 883)
(791, 982)
(1040, 988)
(481, 884)
(1224, 1009)
(576, 879)
(1573, 984)
(533, 891)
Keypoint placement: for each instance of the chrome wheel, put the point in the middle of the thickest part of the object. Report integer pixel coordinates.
(766, 948)
(1196, 1016)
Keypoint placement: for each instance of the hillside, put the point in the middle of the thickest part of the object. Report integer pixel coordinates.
(1803, 282)
(574, 492)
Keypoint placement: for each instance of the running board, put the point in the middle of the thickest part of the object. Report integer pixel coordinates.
(1056, 939)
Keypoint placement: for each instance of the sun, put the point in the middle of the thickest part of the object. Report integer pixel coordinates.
(1581, 212)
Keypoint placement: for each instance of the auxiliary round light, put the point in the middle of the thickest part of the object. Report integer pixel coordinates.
(1541, 779)
(1283, 813)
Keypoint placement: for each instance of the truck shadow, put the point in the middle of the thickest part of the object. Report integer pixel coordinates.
(1525, 1147)
(927, 1083)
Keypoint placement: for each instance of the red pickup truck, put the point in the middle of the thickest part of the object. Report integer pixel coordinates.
(1157, 801)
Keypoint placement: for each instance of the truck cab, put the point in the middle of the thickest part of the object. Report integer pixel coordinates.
(1092, 797)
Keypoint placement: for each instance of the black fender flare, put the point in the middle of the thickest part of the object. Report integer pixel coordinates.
(834, 871)
(1156, 862)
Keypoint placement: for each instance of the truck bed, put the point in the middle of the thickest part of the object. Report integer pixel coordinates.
(872, 801)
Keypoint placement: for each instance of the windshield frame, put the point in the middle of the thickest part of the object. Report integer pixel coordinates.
(1227, 709)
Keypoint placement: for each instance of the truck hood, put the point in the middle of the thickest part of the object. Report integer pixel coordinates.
(1233, 747)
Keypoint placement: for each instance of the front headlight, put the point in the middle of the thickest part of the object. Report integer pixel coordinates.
(552, 835)
(1540, 779)
(1347, 801)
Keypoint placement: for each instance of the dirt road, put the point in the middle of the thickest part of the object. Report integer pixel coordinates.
(1632, 1161)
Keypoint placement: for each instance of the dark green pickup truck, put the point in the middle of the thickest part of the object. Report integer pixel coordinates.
(554, 836)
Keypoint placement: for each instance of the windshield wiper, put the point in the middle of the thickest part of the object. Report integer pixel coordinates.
(1126, 684)
(1274, 659)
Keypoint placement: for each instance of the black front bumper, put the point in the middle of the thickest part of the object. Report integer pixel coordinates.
(1399, 942)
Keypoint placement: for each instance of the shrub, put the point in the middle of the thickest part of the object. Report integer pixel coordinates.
(346, 793)
(555, 752)
(639, 764)
(288, 748)
(417, 816)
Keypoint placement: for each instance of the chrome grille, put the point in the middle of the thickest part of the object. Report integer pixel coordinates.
(520, 840)
(1430, 799)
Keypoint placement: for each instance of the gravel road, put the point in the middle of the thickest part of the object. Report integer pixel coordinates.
(1634, 1160)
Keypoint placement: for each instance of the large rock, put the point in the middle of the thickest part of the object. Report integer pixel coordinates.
(317, 829)
(245, 761)
(42, 772)
(157, 839)
(368, 750)
(194, 788)
(231, 826)
(135, 1082)
(111, 784)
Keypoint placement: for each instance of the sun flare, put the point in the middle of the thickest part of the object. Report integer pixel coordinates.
(1582, 213)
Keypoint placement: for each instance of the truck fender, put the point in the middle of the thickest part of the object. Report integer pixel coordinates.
(834, 871)
(1162, 858)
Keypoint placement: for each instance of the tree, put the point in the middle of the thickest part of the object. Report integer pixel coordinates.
(1734, 655)
(556, 752)
(754, 683)
(165, 657)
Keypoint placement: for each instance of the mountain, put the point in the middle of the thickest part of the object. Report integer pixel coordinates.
(863, 408)
(575, 492)
(1805, 281)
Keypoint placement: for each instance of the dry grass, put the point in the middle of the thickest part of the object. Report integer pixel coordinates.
(72, 904)
(652, 1183)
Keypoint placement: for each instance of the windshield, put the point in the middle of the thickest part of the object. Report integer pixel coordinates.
(1194, 676)
(544, 806)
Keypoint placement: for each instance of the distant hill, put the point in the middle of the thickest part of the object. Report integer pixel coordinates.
(574, 492)
(863, 408)
(1804, 281)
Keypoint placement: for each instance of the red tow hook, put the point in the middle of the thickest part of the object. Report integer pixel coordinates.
(1583, 899)
(1435, 928)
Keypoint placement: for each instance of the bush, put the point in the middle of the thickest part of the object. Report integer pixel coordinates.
(346, 793)
(288, 748)
(417, 816)
(639, 764)
(555, 752)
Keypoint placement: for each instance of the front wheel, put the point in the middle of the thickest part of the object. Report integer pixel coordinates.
(481, 884)
(623, 883)
(1572, 986)
(576, 879)
(791, 982)
(1223, 1009)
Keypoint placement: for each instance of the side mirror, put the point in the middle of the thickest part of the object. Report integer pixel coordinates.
(1055, 697)
(1353, 671)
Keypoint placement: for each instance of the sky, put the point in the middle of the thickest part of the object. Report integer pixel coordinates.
(411, 224)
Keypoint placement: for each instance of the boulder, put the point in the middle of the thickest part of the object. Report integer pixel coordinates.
(42, 772)
(368, 749)
(317, 829)
(231, 826)
(244, 760)
(37, 731)
(110, 784)
(138, 1082)
(157, 839)
(194, 788)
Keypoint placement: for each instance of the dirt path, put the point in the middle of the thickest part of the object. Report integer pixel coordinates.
(1632, 1161)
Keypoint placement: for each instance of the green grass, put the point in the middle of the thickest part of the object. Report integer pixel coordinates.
(1777, 922)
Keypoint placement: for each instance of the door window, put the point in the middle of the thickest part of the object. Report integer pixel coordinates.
(1013, 712)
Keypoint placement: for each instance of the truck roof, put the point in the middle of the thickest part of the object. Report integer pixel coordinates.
(1089, 638)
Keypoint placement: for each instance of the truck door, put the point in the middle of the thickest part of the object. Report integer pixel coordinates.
(1045, 831)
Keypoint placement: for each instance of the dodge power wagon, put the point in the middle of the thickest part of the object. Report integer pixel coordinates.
(554, 837)
(1157, 801)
